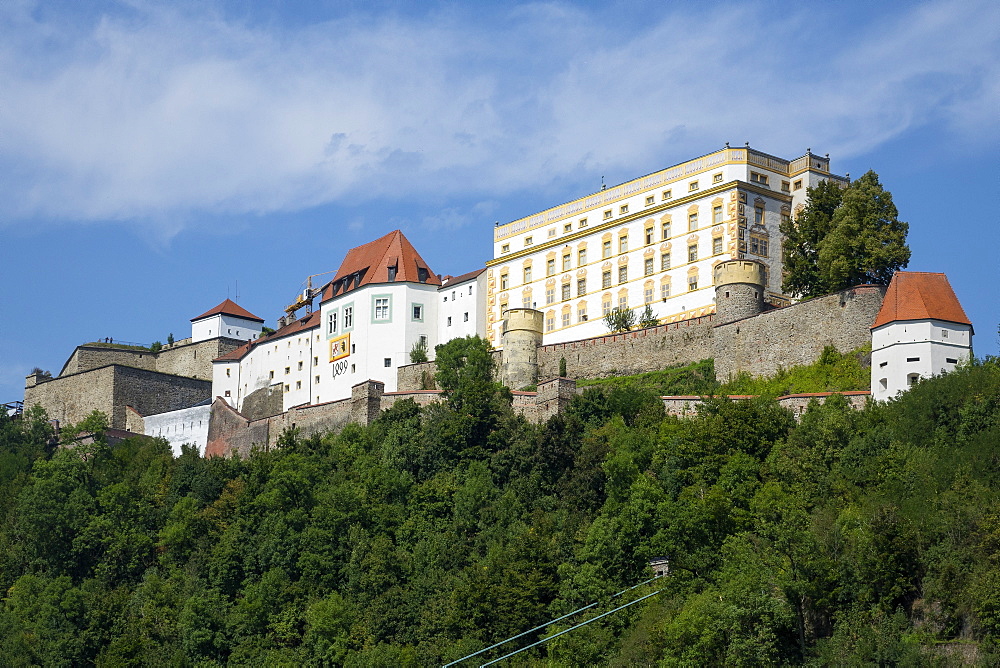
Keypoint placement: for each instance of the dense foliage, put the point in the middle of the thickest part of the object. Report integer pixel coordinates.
(853, 537)
(842, 238)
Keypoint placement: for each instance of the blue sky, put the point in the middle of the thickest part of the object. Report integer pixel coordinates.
(155, 155)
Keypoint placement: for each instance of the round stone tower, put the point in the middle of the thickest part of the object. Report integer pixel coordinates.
(739, 289)
(522, 334)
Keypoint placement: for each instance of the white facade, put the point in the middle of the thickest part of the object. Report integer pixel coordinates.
(461, 308)
(188, 425)
(905, 351)
(654, 240)
(224, 325)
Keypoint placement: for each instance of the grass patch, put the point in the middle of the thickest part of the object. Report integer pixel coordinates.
(121, 346)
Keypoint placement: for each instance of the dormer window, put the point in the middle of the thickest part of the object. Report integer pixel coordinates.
(422, 274)
(392, 273)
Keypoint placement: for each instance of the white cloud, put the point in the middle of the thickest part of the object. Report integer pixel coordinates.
(158, 114)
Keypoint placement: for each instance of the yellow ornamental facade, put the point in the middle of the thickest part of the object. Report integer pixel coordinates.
(654, 240)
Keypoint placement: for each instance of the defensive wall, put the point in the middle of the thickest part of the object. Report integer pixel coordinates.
(181, 358)
(113, 389)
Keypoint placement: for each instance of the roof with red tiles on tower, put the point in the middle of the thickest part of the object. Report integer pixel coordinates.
(229, 307)
(388, 259)
(918, 295)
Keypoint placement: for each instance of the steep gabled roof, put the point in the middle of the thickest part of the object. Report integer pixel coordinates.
(229, 307)
(310, 321)
(450, 281)
(918, 295)
(370, 263)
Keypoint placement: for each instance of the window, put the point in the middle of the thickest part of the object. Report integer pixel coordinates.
(568, 227)
(692, 186)
(667, 194)
(623, 300)
(692, 282)
(503, 308)
(606, 305)
(271, 375)
(552, 232)
(665, 290)
(717, 178)
(606, 279)
(785, 186)
(758, 178)
(758, 215)
(387, 362)
(912, 379)
(300, 365)
(623, 245)
(693, 253)
(763, 247)
(392, 273)
(565, 293)
(785, 218)
(797, 185)
(716, 214)
(944, 333)
(465, 317)
(607, 214)
(528, 241)
(550, 266)
(565, 318)
(526, 301)
(623, 274)
(288, 370)
(716, 245)
(583, 222)
(287, 387)
(581, 313)
(567, 264)
(665, 231)
(449, 321)
(951, 360)
(647, 294)
(755, 245)
(649, 236)
(606, 249)
(550, 322)
(331, 323)
(317, 383)
(912, 359)
(504, 282)
(581, 257)
(650, 200)
(692, 221)
(664, 261)
(527, 274)
(418, 312)
(315, 361)
(348, 317)
(581, 287)
(381, 308)
(550, 295)
(227, 372)
(422, 274)
(298, 385)
(505, 248)
(623, 208)
(647, 267)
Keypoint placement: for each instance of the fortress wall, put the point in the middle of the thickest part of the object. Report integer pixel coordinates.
(72, 397)
(419, 376)
(151, 392)
(262, 403)
(632, 352)
(796, 334)
(86, 358)
(194, 359)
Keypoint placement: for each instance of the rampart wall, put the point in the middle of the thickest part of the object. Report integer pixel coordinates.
(796, 335)
(419, 376)
(179, 359)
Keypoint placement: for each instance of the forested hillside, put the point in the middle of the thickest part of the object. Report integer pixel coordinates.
(852, 537)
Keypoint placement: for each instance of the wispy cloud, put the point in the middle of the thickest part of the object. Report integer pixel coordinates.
(156, 114)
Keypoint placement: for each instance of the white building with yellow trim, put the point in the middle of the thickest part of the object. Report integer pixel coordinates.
(653, 240)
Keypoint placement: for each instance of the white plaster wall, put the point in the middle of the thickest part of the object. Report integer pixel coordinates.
(206, 328)
(224, 325)
(188, 425)
(226, 382)
(455, 301)
(924, 347)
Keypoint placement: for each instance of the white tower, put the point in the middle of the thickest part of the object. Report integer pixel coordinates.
(920, 331)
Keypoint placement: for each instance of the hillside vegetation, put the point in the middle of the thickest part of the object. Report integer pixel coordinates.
(852, 537)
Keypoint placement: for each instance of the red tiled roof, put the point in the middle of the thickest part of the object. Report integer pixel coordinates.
(455, 280)
(918, 295)
(370, 264)
(310, 321)
(229, 307)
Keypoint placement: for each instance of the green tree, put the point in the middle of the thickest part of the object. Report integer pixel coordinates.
(620, 319)
(647, 318)
(843, 238)
(418, 353)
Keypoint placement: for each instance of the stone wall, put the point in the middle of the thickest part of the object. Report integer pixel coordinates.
(112, 390)
(265, 402)
(687, 406)
(87, 357)
(630, 353)
(796, 334)
(180, 359)
(419, 376)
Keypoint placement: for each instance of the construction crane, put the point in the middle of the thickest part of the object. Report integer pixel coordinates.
(304, 299)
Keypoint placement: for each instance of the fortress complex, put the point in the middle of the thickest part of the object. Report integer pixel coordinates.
(698, 243)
